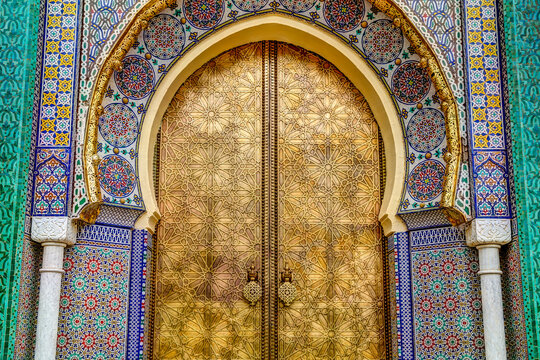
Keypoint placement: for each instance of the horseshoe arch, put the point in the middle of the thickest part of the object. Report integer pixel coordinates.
(286, 26)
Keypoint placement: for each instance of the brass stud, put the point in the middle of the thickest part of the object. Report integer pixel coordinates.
(116, 151)
(428, 156)
(419, 106)
(148, 56)
(125, 100)
(183, 21)
(363, 24)
(398, 61)
(117, 65)
(447, 156)
(122, 201)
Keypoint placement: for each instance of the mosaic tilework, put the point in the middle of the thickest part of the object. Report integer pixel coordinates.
(137, 295)
(104, 15)
(51, 182)
(18, 43)
(94, 300)
(104, 294)
(522, 23)
(440, 18)
(512, 285)
(447, 300)
(403, 294)
(425, 219)
(491, 184)
(441, 22)
(56, 110)
(58, 73)
(150, 63)
(393, 306)
(104, 235)
(28, 301)
(486, 106)
(102, 23)
(514, 314)
(31, 252)
(117, 216)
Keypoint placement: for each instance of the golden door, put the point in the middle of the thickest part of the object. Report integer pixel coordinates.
(269, 157)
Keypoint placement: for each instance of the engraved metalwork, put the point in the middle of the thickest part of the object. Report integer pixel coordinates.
(210, 197)
(329, 199)
(252, 290)
(268, 152)
(287, 291)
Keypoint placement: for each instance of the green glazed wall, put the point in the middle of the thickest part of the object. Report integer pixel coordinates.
(522, 29)
(19, 21)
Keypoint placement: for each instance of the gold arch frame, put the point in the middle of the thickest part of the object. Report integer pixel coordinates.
(287, 29)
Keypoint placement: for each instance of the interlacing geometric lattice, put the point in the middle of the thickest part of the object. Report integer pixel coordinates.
(214, 196)
(210, 200)
(328, 169)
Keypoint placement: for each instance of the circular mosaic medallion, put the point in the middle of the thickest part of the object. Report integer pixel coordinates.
(426, 130)
(203, 14)
(298, 6)
(136, 79)
(250, 5)
(118, 125)
(344, 15)
(426, 180)
(382, 41)
(116, 176)
(164, 36)
(410, 82)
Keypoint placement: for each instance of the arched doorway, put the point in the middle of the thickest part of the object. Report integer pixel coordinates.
(269, 157)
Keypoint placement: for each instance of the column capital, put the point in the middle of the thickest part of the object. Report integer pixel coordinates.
(488, 232)
(55, 229)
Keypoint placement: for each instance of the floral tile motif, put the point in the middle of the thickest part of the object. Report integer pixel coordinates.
(486, 106)
(93, 305)
(447, 304)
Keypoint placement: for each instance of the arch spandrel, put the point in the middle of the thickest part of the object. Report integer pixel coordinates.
(346, 48)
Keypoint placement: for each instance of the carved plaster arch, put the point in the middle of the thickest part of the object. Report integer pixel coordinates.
(277, 27)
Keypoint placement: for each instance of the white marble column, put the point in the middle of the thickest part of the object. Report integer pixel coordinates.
(488, 235)
(54, 234)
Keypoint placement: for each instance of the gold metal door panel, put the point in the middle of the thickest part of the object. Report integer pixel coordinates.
(210, 201)
(328, 195)
(268, 153)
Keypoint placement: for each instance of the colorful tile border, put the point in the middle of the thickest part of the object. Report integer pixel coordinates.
(19, 25)
(52, 169)
(137, 295)
(403, 300)
(487, 124)
(522, 21)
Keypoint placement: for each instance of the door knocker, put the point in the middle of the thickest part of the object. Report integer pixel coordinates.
(252, 290)
(287, 291)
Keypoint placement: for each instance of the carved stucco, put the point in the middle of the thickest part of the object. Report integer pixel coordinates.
(489, 232)
(58, 229)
